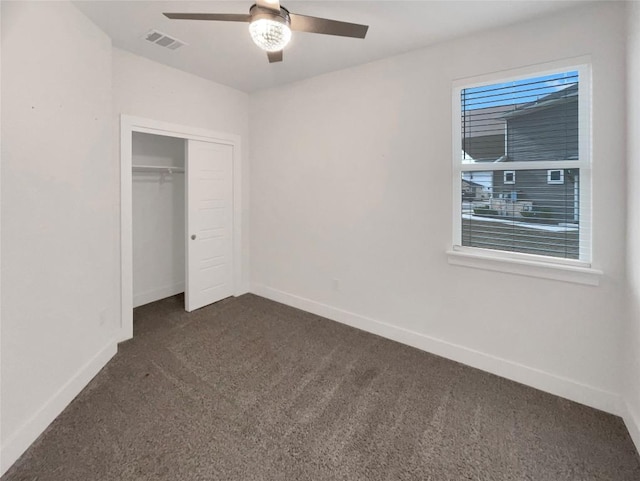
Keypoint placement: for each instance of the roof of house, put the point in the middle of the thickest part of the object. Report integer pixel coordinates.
(472, 183)
(563, 96)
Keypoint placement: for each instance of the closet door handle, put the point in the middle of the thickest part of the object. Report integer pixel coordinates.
(193, 237)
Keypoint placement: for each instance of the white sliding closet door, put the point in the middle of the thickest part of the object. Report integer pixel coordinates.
(209, 223)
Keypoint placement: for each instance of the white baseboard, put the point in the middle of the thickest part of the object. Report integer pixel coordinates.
(18, 442)
(560, 386)
(242, 289)
(157, 294)
(632, 421)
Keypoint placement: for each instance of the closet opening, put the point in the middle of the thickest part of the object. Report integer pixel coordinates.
(158, 215)
(180, 215)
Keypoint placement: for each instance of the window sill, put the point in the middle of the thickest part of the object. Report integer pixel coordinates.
(544, 270)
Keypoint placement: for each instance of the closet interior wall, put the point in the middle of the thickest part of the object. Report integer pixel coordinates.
(158, 217)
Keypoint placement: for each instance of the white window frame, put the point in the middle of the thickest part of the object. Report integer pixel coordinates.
(552, 181)
(513, 178)
(571, 270)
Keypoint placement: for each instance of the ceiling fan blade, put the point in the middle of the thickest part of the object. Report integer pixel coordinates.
(273, 5)
(224, 17)
(303, 23)
(275, 56)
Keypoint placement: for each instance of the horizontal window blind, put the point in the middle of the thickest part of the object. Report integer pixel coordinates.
(525, 120)
(526, 210)
(533, 218)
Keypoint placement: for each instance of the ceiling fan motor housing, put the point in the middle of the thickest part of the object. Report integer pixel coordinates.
(258, 13)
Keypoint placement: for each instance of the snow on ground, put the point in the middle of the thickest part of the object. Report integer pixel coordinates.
(528, 225)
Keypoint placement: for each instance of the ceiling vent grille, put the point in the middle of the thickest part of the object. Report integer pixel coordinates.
(163, 40)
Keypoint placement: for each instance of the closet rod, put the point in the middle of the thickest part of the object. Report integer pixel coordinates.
(157, 168)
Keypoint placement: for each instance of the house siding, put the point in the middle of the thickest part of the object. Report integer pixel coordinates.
(483, 132)
(558, 201)
(545, 134)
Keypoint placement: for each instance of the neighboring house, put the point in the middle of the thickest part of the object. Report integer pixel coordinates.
(532, 128)
(528, 133)
(472, 190)
(532, 134)
(483, 141)
(484, 133)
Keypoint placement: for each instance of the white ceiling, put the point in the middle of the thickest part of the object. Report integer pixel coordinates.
(223, 51)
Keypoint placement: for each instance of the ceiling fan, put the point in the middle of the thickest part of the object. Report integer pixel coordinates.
(270, 25)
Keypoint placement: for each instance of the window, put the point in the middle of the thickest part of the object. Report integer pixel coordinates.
(509, 177)
(555, 176)
(527, 138)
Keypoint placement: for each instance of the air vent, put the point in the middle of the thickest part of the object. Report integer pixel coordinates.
(163, 40)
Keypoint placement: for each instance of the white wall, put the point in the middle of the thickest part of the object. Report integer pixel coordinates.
(351, 180)
(144, 88)
(62, 88)
(158, 219)
(632, 366)
(60, 297)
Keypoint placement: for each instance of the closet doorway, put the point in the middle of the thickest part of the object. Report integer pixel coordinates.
(180, 215)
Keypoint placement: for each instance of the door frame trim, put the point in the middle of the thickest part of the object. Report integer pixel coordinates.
(128, 125)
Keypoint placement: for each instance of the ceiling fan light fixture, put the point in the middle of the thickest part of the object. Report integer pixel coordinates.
(270, 25)
(270, 34)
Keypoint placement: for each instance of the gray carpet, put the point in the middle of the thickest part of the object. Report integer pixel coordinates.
(248, 389)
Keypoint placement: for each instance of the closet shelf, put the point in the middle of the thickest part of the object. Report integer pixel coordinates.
(157, 168)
